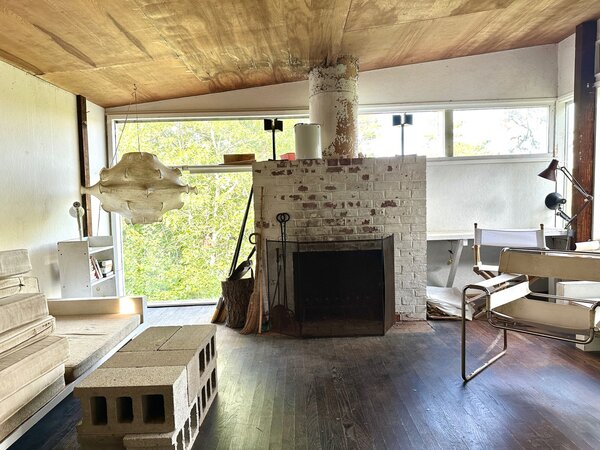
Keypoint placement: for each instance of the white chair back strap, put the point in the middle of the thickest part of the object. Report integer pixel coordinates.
(548, 264)
(508, 295)
(510, 238)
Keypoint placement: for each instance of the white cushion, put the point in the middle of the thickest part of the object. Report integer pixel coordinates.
(17, 369)
(17, 310)
(14, 262)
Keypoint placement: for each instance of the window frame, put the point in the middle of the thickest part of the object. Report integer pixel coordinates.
(550, 103)
(133, 115)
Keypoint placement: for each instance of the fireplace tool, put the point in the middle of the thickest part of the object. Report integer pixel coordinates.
(282, 318)
(283, 219)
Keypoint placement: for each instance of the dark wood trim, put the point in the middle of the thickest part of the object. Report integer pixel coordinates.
(84, 163)
(585, 120)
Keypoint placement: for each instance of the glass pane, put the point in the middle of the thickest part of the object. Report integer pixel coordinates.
(199, 142)
(515, 131)
(378, 138)
(186, 256)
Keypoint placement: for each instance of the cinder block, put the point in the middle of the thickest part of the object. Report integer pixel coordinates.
(149, 385)
(190, 359)
(150, 339)
(138, 399)
(207, 393)
(180, 439)
(190, 337)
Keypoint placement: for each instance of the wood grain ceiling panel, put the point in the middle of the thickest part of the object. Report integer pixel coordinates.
(100, 48)
(366, 14)
(545, 21)
(78, 34)
(223, 42)
(413, 42)
(113, 85)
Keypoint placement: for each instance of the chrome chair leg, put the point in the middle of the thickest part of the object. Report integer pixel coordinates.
(463, 357)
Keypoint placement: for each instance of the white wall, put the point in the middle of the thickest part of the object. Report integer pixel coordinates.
(39, 168)
(566, 66)
(495, 193)
(515, 74)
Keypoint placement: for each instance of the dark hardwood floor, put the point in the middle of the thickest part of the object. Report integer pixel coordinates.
(400, 391)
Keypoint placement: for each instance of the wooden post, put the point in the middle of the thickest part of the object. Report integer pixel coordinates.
(84, 163)
(585, 119)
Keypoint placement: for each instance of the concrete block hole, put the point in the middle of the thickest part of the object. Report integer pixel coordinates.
(208, 357)
(187, 433)
(203, 398)
(194, 417)
(213, 379)
(124, 410)
(202, 361)
(153, 408)
(212, 347)
(99, 410)
(180, 445)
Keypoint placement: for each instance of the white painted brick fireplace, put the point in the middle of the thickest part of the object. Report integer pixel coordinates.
(348, 199)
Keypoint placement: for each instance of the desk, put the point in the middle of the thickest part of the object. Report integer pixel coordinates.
(459, 239)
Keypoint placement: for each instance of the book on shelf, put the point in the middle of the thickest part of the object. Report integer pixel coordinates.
(95, 268)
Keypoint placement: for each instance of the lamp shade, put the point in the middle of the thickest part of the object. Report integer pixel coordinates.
(554, 200)
(76, 210)
(549, 173)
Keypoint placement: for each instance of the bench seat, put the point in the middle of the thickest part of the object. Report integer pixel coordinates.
(91, 337)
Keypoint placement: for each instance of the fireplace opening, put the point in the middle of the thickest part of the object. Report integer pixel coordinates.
(326, 289)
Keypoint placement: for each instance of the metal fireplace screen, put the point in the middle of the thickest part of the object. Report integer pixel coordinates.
(331, 288)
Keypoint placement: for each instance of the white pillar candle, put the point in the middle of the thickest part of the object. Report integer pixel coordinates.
(308, 140)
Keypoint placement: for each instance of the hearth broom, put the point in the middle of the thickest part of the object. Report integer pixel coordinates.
(254, 313)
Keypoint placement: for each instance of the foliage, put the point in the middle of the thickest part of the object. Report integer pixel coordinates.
(500, 131)
(188, 254)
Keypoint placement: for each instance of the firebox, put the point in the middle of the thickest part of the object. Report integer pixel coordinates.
(332, 288)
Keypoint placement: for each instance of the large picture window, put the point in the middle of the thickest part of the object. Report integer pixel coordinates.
(186, 256)
(189, 253)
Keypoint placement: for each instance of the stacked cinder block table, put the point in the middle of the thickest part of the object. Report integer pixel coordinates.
(153, 393)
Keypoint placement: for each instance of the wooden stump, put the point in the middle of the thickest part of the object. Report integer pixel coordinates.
(236, 295)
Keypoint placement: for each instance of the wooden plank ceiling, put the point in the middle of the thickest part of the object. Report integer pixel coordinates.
(176, 48)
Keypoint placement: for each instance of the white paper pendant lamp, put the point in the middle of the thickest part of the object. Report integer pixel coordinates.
(140, 188)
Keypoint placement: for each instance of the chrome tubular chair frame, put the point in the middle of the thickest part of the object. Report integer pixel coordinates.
(487, 291)
(520, 285)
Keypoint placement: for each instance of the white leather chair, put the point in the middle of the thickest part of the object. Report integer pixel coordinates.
(512, 306)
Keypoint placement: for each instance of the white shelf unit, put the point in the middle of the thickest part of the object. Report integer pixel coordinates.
(76, 279)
